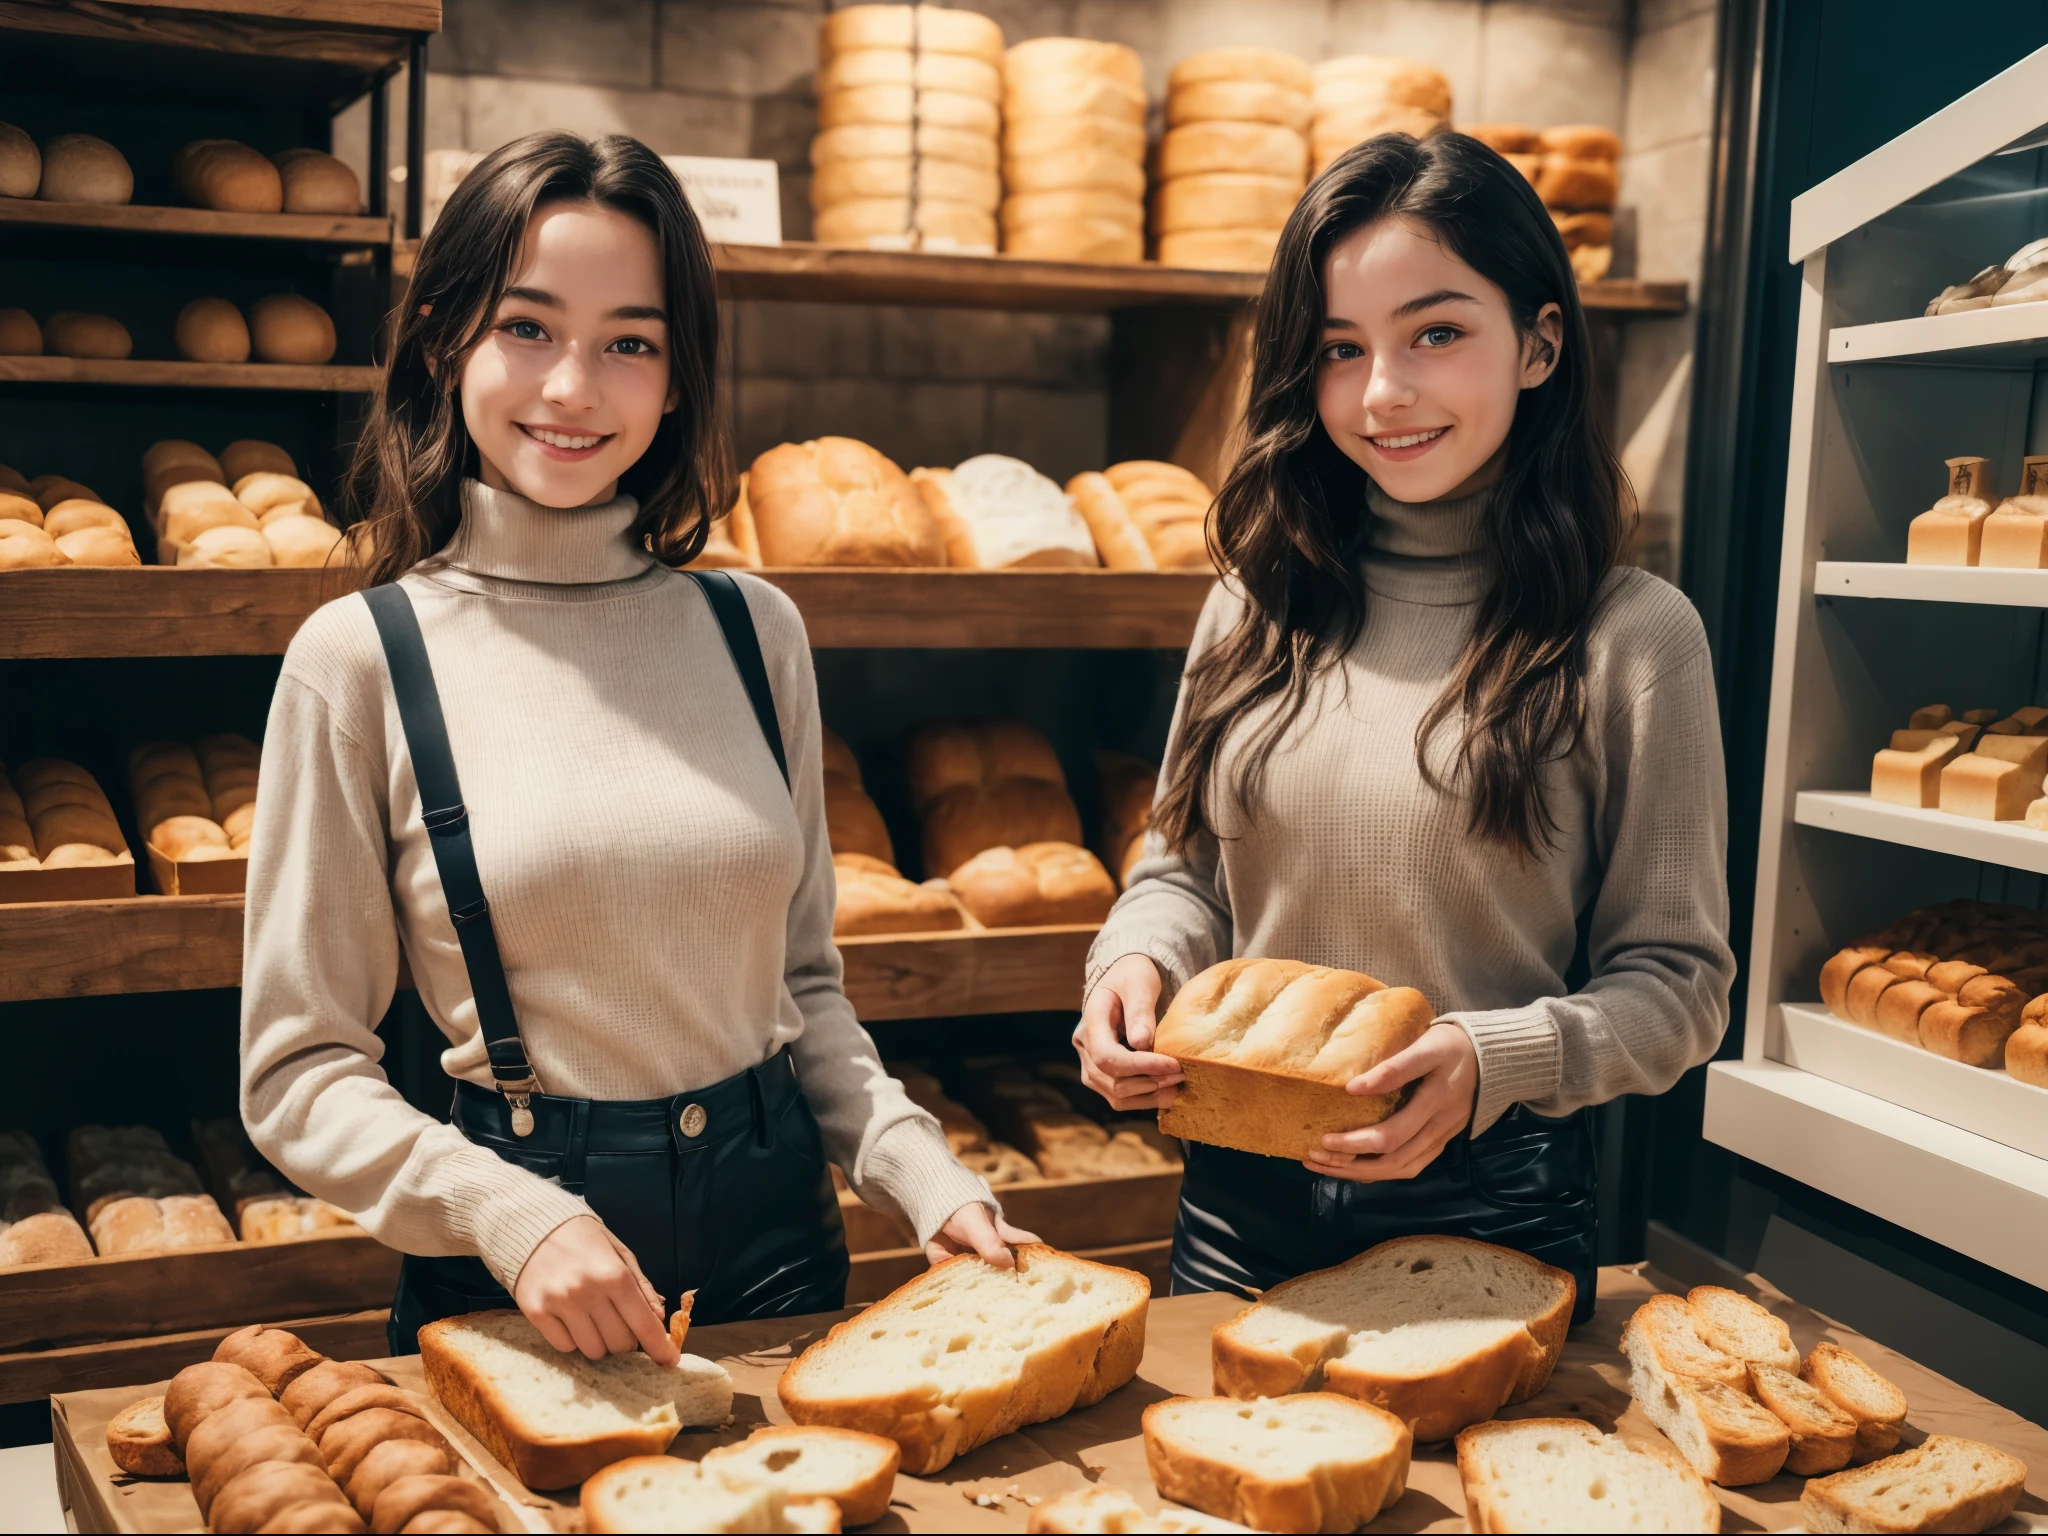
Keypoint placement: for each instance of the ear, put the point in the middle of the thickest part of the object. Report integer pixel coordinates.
(1543, 346)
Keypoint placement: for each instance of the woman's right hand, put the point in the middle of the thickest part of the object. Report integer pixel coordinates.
(583, 1289)
(1118, 1022)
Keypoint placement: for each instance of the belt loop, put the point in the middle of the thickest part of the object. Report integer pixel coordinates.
(760, 1098)
(579, 1141)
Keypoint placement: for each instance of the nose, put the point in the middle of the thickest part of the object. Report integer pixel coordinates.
(1386, 387)
(572, 383)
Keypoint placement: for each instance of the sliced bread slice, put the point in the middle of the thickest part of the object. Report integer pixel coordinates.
(1822, 1435)
(1565, 1475)
(555, 1418)
(666, 1493)
(1942, 1484)
(1441, 1331)
(1103, 1510)
(856, 1471)
(966, 1352)
(1730, 1322)
(1312, 1461)
(1726, 1436)
(1877, 1406)
(1661, 1330)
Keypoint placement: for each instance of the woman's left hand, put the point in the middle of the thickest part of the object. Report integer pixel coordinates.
(1445, 1070)
(972, 1230)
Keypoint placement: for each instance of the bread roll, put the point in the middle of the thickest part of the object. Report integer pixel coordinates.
(1503, 138)
(245, 457)
(199, 1391)
(1225, 200)
(1239, 101)
(351, 1439)
(212, 331)
(274, 1356)
(1043, 138)
(81, 856)
(1580, 141)
(1118, 539)
(835, 501)
(290, 329)
(99, 545)
(873, 898)
(76, 512)
(270, 494)
(1265, 149)
(227, 176)
(998, 513)
(21, 163)
(947, 755)
(1097, 169)
(421, 1496)
(50, 490)
(1219, 250)
(78, 168)
(947, 180)
(139, 1441)
(1034, 885)
(1268, 64)
(935, 222)
(227, 547)
(179, 835)
(315, 182)
(1072, 95)
(893, 66)
(1338, 128)
(886, 141)
(1029, 210)
(1563, 182)
(1364, 79)
(24, 546)
(934, 29)
(269, 1492)
(48, 1237)
(14, 480)
(185, 511)
(853, 824)
(969, 819)
(20, 336)
(20, 509)
(274, 1442)
(1074, 56)
(320, 1385)
(895, 103)
(302, 543)
(360, 1399)
(70, 334)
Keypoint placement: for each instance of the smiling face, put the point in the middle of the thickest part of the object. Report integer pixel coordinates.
(570, 383)
(1422, 364)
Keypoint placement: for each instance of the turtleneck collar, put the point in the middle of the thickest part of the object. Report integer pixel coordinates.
(1425, 552)
(504, 536)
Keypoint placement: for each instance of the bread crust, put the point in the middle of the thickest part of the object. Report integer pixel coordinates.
(1838, 1503)
(1829, 1367)
(1484, 1510)
(836, 501)
(197, 1392)
(274, 1356)
(140, 1441)
(1342, 1500)
(859, 1503)
(265, 1491)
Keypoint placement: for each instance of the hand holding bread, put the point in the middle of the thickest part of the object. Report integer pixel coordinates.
(1119, 1023)
(1440, 1072)
(583, 1289)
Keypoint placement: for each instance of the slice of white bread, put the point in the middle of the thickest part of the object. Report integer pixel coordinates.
(1441, 1331)
(1730, 1322)
(966, 1352)
(856, 1471)
(1110, 1511)
(1311, 1461)
(1725, 1435)
(1877, 1406)
(1822, 1435)
(555, 1418)
(1662, 1331)
(1943, 1484)
(1565, 1475)
(666, 1493)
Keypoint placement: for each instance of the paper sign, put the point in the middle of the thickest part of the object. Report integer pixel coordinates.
(738, 201)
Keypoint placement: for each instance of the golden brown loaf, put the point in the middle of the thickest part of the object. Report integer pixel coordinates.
(1219, 250)
(1034, 885)
(890, 176)
(71, 334)
(78, 168)
(228, 176)
(1240, 101)
(1074, 113)
(1128, 787)
(20, 336)
(1225, 200)
(49, 490)
(1581, 141)
(78, 512)
(21, 163)
(48, 1237)
(1074, 55)
(269, 494)
(931, 29)
(1169, 504)
(1118, 538)
(835, 501)
(240, 459)
(1268, 64)
(101, 544)
(315, 182)
(935, 223)
(853, 824)
(303, 542)
(857, 142)
(286, 328)
(212, 331)
(227, 548)
(1563, 181)
(931, 71)
(20, 508)
(1264, 149)
(1268, 1045)
(874, 898)
(24, 546)
(947, 756)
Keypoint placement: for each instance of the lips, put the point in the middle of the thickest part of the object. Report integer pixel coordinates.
(558, 444)
(1410, 439)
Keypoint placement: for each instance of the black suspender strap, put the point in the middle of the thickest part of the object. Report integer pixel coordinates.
(447, 821)
(729, 607)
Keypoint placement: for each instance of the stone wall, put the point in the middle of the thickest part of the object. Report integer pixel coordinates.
(716, 77)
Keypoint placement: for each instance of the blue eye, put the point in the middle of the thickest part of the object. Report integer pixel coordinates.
(634, 346)
(526, 330)
(1342, 352)
(1439, 335)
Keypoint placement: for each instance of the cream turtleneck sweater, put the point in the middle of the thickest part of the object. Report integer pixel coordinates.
(1351, 859)
(663, 902)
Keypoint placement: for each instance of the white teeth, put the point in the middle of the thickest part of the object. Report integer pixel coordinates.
(1411, 440)
(563, 439)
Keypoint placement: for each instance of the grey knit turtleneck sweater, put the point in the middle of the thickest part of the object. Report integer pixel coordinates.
(1351, 859)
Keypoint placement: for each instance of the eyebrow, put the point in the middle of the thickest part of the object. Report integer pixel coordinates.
(1431, 300)
(546, 300)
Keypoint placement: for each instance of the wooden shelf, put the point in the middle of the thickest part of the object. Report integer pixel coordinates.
(160, 611)
(154, 373)
(144, 219)
(1931, 583)
(2012, 844)
(32, 1375)
(54, 949)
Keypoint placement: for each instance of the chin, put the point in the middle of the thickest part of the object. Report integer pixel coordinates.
(557, 485)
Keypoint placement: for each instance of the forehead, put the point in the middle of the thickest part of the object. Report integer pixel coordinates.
(1387, 263)
(580, 250)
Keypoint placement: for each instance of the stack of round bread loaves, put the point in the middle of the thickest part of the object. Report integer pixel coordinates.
(1225, 191)
(996, 784)
(909, 111)
(1073, 151)
(233, 178)
(54, 521)
(1364, 94)
(68, 816)
(269, 518)
(1146, 515)
(1576, 171)
(196, 806)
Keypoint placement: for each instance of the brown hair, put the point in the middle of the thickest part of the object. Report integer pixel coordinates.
(404, 493)
(1287, 521)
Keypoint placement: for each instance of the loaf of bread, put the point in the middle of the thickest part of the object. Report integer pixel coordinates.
(873, 898)
(17, 839)
(1126, 789)
(24, 546)
(78, 168)
(20, 336)
(835, 501)
(1726, 1435)
(1239, 101)
(1309, 1461)
(1362, 95)
(928, 28)
(139, 1224)
(995, 513)
(49, 1237)
(1073, 151)
(988, 785)
(240, 459)
(281, 1218)
(1565, 1475)
(91, 533)
(26, 1188)
(69, 815)
(303, 542)
(1267, 1047)
(1118, 539)
(228, 548)
(554, 1419)
(286, 328)
(34, 1226)
(212, 331)
(1943, 1484)
(965, 1353)
(172, 463)
(891, 142)
(887, 223)
(316, 182)
(1908, 772)
(667, 1493)
(71, 334)
(1951, 531)
(1033, 886)
(1219, 102)
(1169, 504)
(1877, 1406)
(21, 163)
(228, 176)
(2015, 534)
(1998, 778)
(2026, 1048)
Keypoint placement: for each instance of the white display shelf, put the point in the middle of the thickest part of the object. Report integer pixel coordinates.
(1965, 1191)
(1931, 583)
(2009, 843)
(2006, 336)
(1977, 1099)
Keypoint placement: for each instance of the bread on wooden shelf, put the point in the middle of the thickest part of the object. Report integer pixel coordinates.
(139, 1224)
(1219, 100)
(856, 1471)
(1073, 151)
(993, 784)
(874, 898)
(1943, 1484)
(1441, 1331)
(1360, 95)
(902, 26)
(1565, 1475)
(1034, 885)
(554, 1419)
(212, 330)
(836, 501)
(1264, 149)
(1126, 790)
(1053, 1334)
(20, 336)
(1699, 1397)
(1118, 538)
(998, 513)
(286, 328)
(853, 823)
(78, 168)
(21, 163)
(931, 224)
(1951, 531)
(1169, 504)
(304, 543)
(229, 549)
(25, 547)
(1268, 1046)
(69, 333)
(48, 1237)
(1310, 1461)
(317, 182)
(69, 815)
(227, 176)
(930, 70)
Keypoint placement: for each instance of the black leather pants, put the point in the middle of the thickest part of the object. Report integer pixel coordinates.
(722, 1190)
(1248, 1222)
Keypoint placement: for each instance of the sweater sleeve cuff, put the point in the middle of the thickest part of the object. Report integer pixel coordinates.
(1520, 1059)
(908, 1170)
(509, 1216)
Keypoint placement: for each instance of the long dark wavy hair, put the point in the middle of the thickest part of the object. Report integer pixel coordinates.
(1286, 520)
(405, 487)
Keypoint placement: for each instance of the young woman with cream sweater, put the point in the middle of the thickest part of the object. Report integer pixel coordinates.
(609, 772)
(1431, 730)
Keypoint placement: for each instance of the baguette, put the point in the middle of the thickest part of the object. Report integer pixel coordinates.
(1877, 1406)
(1726, 1435)
(1565, 1475)
(1822, 1435)
(1943, 1484)
(1663, 1332)
(1730, 1322)
(1311, 1461)
(965, 1353)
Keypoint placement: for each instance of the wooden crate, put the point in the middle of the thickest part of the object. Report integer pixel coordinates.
(1074, 1214)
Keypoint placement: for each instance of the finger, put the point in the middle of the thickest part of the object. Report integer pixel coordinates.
(1392, 1133)
(1412, 1160)
(1014, 1235)
(584, 1331)
(551, 1329)
(611, 1326)
(1100, 1044)
(981, 1232)
(1399, 1069)
(643, 1326)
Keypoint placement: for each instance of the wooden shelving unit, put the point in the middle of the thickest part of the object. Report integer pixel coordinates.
(18, 213)
(158, 373)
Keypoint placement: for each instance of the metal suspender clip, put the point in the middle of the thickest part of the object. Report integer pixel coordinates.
(522, 1113)
(447, 821)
